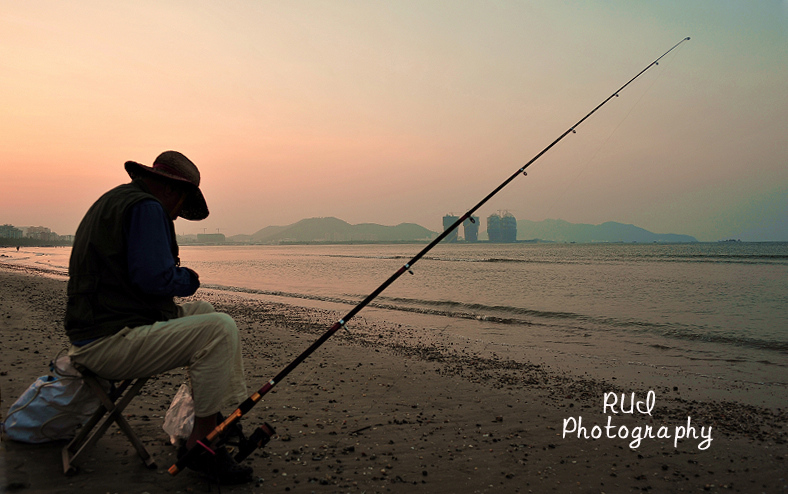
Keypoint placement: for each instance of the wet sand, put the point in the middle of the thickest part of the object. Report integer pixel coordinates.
(380, 408)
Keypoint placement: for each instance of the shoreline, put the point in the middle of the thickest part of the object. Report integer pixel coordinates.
(636, 358)
(637, 363)
(376, 410)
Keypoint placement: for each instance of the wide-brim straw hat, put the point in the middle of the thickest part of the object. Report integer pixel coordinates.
(175, 166)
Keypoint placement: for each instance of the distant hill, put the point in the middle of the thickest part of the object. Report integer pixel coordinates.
(336, 230)
(563, 231)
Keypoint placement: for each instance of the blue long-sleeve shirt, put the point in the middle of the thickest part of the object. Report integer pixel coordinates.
(151, 265)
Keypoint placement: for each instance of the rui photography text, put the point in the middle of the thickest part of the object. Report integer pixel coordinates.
(615, 403)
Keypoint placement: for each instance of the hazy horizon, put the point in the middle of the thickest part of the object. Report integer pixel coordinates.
(401, 112)
(482, 229)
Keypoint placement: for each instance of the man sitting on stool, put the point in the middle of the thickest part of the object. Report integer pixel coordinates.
(121, 318)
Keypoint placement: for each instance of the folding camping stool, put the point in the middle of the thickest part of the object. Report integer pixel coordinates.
(112, 405)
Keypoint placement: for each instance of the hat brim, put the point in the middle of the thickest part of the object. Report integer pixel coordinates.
(194, 206)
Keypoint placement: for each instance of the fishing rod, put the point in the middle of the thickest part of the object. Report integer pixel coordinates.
(262, 434)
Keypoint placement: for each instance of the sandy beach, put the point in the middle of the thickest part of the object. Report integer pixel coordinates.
(376, 410)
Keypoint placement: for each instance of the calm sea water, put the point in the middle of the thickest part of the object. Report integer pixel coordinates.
(727, 299)
(731, 293)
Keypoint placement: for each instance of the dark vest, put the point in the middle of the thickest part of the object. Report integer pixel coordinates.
(101, 297)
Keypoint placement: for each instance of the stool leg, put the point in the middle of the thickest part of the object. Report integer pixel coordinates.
(126, 428)
(112, 407)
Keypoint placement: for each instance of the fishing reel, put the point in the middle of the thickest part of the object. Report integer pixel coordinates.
(244, 446)
(258, 439)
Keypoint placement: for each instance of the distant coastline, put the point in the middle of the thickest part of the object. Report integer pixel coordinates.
(33, 242)
(336, 231)
(330, 230)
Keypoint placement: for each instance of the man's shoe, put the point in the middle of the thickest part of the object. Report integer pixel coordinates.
(219, 467)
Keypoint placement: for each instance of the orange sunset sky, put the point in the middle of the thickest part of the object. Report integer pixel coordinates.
(403, 111)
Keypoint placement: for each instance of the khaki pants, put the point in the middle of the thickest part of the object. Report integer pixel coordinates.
(204, 340)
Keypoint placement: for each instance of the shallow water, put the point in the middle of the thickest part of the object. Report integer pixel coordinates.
(735, 294)
(707, 308)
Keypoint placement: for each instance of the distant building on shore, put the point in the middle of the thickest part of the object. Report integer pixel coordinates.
(10, 231)
(448, 221)
(210, 238)
(41, 233)
(502, 227)
(31, 235)
(471, 229)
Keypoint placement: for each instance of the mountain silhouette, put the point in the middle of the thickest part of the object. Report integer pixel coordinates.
(335, 230)
(563, 231)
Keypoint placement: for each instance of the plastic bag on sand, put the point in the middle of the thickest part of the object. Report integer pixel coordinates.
(179, 421)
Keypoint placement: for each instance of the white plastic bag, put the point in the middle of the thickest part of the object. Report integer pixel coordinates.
(52, 407)
(179, 421)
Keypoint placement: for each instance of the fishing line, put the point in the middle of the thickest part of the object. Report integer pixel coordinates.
(213, 438)
(604, 143)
